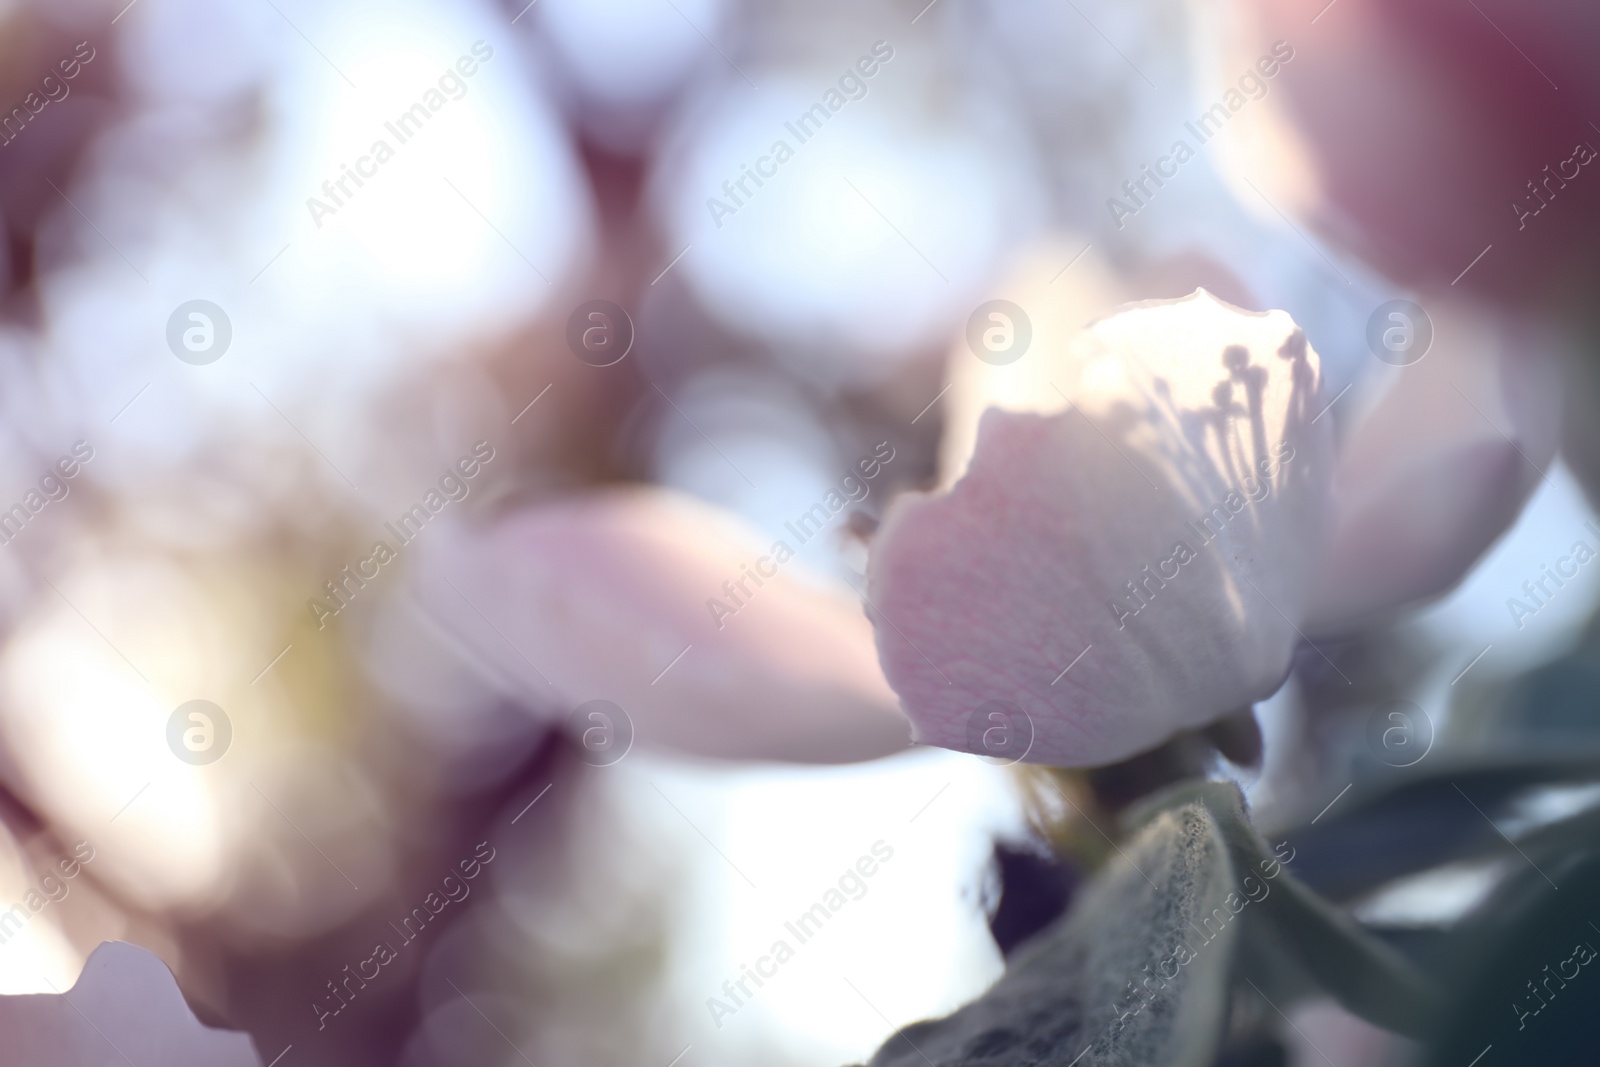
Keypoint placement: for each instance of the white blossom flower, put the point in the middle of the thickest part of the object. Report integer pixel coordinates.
(1145, 559)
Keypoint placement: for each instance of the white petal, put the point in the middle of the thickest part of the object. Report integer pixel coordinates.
(990, 592)
(613, 596)
(125, 999)
(1439, 467)
(1060, 287)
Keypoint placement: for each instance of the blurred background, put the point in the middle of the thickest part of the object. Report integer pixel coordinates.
(577, 307)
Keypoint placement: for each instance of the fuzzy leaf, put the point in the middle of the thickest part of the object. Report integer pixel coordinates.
(1420, 819)
(1368, 977)
(1076, 993)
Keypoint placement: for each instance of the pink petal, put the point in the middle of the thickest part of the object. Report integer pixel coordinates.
(125, 1007)
(609, 596)
(1322, 1032)
(989, 592)
(1438, 468)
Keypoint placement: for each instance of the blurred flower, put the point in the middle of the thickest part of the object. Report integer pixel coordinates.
(37, 952)
(1144, 563)
(1429, 122)
(130, 702)
(270, 187)
(622, 61)
(837, 217)
(1319, 1029)
(125, 1002)
(707, 637)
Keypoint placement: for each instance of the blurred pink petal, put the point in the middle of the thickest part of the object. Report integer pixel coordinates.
(125, 1008)
(612, 596)
(1439, 468)
(1081, 534)
(1321, 1032)
(1391, 95)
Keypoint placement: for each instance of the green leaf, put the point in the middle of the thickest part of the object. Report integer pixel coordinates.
(1413, 820)
(1089, 991)
(1368, 977)
(1513, 988)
